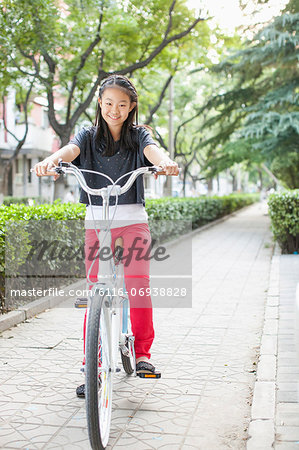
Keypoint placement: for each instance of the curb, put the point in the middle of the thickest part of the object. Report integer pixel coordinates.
(38, 306)
(261, 429)
(11, 319)
(33, 308)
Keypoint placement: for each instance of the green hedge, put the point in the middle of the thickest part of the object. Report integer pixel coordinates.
(57, 213)
(284, 215)
(200, 210)
(167, 218)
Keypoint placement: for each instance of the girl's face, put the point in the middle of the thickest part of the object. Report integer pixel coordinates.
(115, 106)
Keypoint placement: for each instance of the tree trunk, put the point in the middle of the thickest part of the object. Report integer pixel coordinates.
(261, 178)
(234, 181)
(60, 183)
(210, 186)
(184, 181)
(167, 188)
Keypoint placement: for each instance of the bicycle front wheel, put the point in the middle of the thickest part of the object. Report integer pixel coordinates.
(98, 382)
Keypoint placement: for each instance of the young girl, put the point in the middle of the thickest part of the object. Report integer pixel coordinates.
(116, 145)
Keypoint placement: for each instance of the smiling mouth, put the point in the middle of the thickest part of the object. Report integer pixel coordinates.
(114, 118)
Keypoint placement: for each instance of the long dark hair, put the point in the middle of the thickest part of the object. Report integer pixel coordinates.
(103, 132)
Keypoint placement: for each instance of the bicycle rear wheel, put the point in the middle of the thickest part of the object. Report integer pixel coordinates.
(98, 367)
(127, 360)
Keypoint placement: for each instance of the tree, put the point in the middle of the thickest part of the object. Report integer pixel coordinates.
(190, 92)
(258, 120)
(71, 49)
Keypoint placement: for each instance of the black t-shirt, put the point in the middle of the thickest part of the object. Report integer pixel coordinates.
(123, 161)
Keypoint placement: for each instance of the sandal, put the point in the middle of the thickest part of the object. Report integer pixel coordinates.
(80, 391)
(145, 369)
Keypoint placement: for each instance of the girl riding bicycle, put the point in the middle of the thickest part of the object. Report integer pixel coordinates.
(116, 145)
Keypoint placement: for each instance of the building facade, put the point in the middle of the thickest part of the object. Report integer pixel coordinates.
(41, 141)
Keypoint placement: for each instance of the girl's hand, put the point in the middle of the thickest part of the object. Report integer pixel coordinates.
(45, 168)
(169, 167)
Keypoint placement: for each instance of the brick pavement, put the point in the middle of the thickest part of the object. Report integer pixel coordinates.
(207, 355)
(287, 402)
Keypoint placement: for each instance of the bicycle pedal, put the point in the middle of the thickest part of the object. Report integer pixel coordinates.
(81, 303)
(149, 375)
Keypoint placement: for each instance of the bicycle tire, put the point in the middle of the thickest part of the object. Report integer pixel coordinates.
(98, 350)
(127, 361)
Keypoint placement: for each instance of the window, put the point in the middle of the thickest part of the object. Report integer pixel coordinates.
(45, 119)
(18, 165)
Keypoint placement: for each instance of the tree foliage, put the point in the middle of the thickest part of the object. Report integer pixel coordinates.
(257, 120)
(71, 48)
(190, 94)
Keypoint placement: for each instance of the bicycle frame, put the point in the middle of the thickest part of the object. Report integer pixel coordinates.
(110, 280)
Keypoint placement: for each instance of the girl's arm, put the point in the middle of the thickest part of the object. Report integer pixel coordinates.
(67, 153)
(158, 157)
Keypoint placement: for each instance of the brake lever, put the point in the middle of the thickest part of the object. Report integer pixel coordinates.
(61, 164)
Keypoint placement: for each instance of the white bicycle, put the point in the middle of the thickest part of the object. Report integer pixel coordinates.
(107, 318)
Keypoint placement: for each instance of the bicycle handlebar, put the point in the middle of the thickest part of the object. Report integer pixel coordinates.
(112, 189)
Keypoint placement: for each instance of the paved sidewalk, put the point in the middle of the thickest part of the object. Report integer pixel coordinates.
(207, 355)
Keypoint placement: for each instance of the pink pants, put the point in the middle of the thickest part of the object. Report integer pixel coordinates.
(136, 272)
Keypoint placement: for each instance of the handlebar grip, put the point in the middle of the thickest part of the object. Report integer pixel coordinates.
(52, 170)
(162, 172)
(57, 168)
